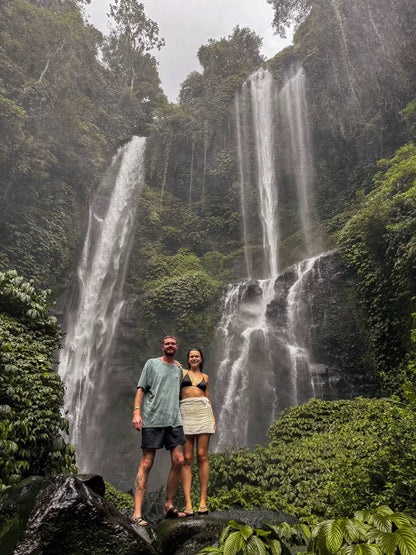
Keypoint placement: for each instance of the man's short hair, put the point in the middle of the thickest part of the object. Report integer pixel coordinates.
(169, 337)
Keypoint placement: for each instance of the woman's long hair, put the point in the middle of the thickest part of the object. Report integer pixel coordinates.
(201, 364)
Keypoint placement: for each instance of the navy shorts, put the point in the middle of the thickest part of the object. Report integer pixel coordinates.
(168, 437)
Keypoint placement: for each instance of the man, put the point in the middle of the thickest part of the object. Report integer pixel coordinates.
(156, 414)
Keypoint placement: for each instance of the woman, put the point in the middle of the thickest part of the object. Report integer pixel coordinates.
(198, 425)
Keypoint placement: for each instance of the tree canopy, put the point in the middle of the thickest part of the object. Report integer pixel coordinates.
(132, 36)
(287, 12)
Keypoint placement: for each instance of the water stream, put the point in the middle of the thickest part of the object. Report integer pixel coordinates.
(263, 357)
(90, 327)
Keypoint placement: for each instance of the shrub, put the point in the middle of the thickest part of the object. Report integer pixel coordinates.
(31, 392)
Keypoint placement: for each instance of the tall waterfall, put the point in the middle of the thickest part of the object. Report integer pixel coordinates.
(245, 354)
(90, 329)
(293, 109)
(261, 94)
(263, 343)
(263, 363)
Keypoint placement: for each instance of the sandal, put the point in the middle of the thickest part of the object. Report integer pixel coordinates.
(140, 521)
(173, 512)
(203, 511)
(189, 512)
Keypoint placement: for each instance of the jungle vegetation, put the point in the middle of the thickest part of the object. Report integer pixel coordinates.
(69, 97)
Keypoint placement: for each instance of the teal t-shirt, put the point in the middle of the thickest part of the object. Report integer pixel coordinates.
(161, 384)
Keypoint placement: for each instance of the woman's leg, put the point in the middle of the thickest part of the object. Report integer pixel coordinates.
(202, 442)
(188, 454)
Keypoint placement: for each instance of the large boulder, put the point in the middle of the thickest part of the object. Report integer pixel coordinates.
(187, 536)
(63, 515)
(68, 515)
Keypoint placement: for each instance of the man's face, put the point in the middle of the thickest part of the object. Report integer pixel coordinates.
(169, 346)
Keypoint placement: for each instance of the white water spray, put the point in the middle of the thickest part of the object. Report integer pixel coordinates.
(293, 110)
(263, 110)
(298, 330)
(262, 365)
(91, 327)
(242, 343)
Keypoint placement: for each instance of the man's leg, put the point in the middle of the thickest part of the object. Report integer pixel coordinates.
(142, 480)
(174, 477)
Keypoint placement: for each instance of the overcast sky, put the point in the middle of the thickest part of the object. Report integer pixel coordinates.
(187, 24)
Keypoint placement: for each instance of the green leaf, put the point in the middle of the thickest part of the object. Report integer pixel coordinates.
(406, 541)
(233, 543)
(275, 547)
(360, 549)
(329, 537)
(246, 531)
(386, 540)
(255, 546)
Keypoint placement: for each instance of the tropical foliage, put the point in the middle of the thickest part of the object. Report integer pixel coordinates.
(378, 242)
(324, 458)
(377, 532)
(31, 393)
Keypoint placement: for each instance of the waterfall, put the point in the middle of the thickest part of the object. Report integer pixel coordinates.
(262, 101)
(298, 330)
(264, 363)
(243, 166)
(243, 347)
(90, 328)
(263, 353)
(293, 109)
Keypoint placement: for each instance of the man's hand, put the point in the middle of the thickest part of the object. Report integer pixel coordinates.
(137, 420)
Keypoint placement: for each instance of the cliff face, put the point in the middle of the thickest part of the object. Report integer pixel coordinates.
(332, 330)
(199, 224)
(283, 341)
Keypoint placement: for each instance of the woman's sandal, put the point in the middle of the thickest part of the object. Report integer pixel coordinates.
(189, 512)
(140, 521)
(173, 512)
(203, 511)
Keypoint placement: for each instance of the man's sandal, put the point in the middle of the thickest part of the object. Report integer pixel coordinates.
(203, 511)
(173, 512)
(140, 521)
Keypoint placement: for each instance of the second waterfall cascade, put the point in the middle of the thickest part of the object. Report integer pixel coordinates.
(91, 326)
(263, 363)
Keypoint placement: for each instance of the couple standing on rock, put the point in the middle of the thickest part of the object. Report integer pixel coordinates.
(172, 408)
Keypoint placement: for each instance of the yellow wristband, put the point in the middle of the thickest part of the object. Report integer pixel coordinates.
(136, 408)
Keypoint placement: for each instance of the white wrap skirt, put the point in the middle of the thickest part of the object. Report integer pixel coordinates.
(197, 416)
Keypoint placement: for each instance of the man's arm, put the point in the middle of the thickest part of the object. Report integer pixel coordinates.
(137, 414)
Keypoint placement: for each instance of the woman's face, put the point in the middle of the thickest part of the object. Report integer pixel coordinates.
(194, 359)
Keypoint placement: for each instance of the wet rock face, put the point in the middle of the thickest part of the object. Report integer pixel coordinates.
(66, 515)
(63, 515)
(330, 328)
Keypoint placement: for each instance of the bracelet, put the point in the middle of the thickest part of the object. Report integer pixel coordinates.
(136, 408)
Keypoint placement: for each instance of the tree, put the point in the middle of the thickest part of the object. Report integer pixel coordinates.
(289, 11)
(239, 53)
(132, 36)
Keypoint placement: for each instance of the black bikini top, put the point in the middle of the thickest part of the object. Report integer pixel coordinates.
(186, 382)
